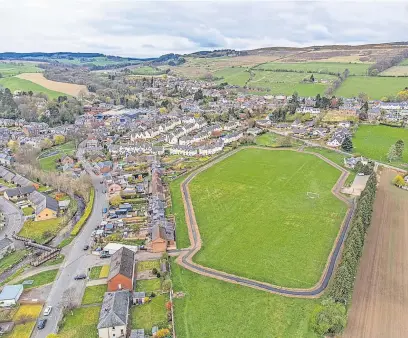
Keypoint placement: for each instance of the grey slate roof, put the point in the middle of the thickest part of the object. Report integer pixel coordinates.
(114, 310)
(122, 262)
(42, 201)
(19, 191)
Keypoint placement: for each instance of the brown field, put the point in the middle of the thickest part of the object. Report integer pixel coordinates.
(339, 115)
(380, 298)
(198, 67)
(67, 88)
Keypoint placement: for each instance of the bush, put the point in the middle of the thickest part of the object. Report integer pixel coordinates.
(78, 226)
(329, 318)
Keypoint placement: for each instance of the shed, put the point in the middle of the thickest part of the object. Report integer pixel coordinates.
(10, 295)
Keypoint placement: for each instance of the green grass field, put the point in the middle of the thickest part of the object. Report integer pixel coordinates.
(41, 231)
(213, 308)
(256, 220)
(396, 71)
(82, 324)
(182, 238)
(94, 294)
(147, 70)
(375, 141)
(148, 265)
(148, 285)
(286, 83)
(234, 76)
(22, 330)
(41, 278)
(10, 68)
(11, 259)
(15, 83)
(150, 314)
(404, 63)
(49, 163)
(318, 67)
(374, 87)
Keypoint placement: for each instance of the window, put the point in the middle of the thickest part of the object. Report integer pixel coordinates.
(121, 331)
(113, 328)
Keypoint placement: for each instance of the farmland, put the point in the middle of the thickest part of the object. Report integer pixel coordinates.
(182, 238)
(379, 300)
(317, 67)
(374, 87)
(396, 71)
(11, 69)
(235, 76)
(250, 312)
(375, 141)
(15, 83)
(297, 232)
(61, 87)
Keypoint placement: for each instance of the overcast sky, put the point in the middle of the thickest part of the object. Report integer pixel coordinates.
(147, 29)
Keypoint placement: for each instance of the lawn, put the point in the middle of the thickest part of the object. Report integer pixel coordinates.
(95, 272)
(82, 324)
(234, 76)
(40, 279)
(27, 211)
(148, 285)
(27, 312)
(148, 265)
(50, 163)
(57, 260)
(286, 83)
(269, 140)
(213, 308)
(375, 141)
(104, 271)
(15, 83)
(318, 67)
(374, 87)
(11, 69)
(256, 220)
(182, 238)
(41, 231)
(11, 259)
(150, 314)
(94, 294)
(22, 330)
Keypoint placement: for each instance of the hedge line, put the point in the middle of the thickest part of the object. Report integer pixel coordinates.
(87, 212)
(341, 288)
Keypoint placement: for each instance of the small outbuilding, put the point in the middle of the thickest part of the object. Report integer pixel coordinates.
(10, 295)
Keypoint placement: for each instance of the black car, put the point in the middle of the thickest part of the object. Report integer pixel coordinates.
(80, 276)
(86, 247)
(41, 324)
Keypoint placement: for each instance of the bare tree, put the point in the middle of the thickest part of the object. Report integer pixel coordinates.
(68, 300)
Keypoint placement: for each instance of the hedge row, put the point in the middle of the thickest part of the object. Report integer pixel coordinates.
(78, 226)
(341, 288)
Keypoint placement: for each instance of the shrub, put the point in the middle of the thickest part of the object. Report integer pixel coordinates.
(78, 226)
(329, 318)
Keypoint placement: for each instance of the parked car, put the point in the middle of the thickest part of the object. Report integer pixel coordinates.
(80, 276)
(41, 324)
(47, 310)
(105, 255)
(86, 247)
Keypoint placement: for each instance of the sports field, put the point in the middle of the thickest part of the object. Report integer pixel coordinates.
(286, 83)
(375, 87)
(257, 221)
(15, 83)
(375, 141)
(213, 308)
(318, 67)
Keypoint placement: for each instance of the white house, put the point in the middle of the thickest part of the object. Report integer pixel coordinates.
(10, 295)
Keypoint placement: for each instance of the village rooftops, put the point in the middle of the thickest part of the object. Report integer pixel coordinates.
(42, 201)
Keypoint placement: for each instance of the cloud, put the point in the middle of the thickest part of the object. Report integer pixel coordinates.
(145, 28)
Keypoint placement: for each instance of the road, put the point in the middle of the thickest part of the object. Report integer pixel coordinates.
(14, 220)
(77, 260)
(185, 257)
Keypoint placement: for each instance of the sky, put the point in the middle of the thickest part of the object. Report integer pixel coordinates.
(148, 29)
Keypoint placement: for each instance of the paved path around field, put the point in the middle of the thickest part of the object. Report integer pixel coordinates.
(185, 257)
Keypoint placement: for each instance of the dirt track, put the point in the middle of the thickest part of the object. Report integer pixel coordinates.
(380, 298)
(67, 88)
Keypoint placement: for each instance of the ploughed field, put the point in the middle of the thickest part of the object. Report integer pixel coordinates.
(257, 221)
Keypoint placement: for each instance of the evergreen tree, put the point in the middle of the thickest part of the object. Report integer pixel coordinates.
(399, 148)
(347, 144)
(392, 154)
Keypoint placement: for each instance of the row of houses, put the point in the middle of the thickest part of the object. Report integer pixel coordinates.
(13, 178)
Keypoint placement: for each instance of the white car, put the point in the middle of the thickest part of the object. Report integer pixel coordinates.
(47, 310)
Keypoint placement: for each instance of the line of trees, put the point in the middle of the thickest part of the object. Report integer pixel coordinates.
(336, 83)
(330, 317)
(386, 63)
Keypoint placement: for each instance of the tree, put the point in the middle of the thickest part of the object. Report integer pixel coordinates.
(46, 143)
(166, 285)
(347, 144)
(329, 318)
(198, 95)
(115, 200)
(399, 181)
(169, 305)
(363, 97)
(312, 79)
(363, 115)
(162, 333)
(399, 148)
(286, 142)
(59, 139)
(13, 145)
(392, 154)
